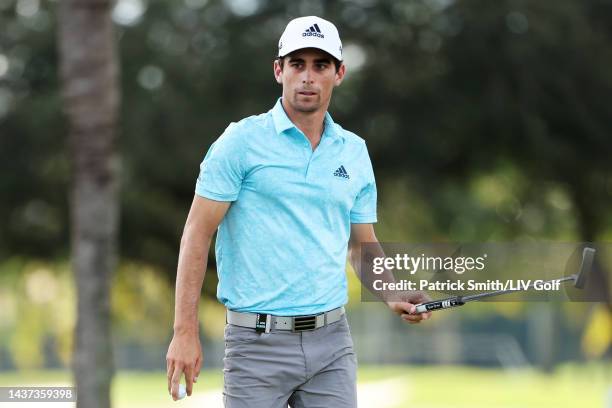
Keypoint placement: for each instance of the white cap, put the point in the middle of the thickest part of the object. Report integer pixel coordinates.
(310, 32)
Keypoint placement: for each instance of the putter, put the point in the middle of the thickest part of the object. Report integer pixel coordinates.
(579, 280)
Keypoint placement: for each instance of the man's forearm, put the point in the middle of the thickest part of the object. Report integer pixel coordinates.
(362, 264)
(193, 257)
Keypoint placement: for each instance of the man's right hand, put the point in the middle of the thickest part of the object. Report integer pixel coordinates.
(184, 356)
(185, 353)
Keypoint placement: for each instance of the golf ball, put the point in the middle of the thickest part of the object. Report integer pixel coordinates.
(182, 391)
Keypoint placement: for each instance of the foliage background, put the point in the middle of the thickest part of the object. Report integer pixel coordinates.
(486, 121)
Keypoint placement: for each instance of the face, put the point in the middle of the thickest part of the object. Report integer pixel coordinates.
(308, 78)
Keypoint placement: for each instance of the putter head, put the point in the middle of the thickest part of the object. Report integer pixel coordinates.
(588, 254)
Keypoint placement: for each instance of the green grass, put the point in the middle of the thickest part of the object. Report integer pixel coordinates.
(390, 386)
(459, 387)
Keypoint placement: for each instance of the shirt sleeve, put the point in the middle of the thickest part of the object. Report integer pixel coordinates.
(364, 208)
(222, 170)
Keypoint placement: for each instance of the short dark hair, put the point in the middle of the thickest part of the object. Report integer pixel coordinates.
(337, 62)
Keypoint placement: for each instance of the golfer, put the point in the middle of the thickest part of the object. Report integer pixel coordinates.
(289, 191)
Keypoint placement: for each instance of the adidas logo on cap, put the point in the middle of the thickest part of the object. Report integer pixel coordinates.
(313, 31)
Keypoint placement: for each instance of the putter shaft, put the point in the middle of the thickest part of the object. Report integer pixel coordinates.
(461, 300)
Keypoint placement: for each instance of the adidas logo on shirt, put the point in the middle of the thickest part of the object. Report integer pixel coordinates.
(313, 31)
(341, 172)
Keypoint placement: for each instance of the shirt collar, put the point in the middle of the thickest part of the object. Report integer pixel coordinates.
(283, 123)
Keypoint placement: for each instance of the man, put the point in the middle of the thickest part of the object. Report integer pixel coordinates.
(289, 191)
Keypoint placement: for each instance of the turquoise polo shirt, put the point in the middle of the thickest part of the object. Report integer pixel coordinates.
(281, 247)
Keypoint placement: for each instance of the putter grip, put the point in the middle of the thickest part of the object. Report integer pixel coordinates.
(439, 304)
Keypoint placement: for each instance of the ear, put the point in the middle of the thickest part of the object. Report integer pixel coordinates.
(340, 74)
(278, 72)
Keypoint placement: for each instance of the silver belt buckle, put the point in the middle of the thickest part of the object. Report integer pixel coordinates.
(304, 323)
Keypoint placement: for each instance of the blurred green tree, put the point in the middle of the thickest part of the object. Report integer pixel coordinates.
(458, 100)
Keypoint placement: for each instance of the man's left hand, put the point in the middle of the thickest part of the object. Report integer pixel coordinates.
(406, 307)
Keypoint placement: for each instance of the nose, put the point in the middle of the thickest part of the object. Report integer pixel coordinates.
(307, 76)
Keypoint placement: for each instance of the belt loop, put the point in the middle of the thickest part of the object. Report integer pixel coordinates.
(268, 323)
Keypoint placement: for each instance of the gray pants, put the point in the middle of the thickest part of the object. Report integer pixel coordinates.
(309, 369)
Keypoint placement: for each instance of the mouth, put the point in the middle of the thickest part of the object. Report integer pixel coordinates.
(307, 93)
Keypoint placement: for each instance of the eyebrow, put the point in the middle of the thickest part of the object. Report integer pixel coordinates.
(317, 61)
